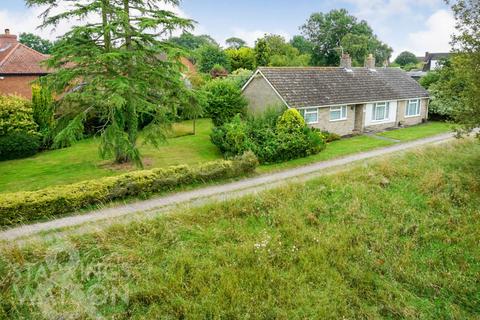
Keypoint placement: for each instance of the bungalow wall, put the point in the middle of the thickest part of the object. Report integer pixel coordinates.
(410, 121)
(261, 96)
(341, 127)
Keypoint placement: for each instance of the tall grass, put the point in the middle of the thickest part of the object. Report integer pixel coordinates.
(396, 239)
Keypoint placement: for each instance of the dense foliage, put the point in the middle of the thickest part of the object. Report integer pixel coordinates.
(273, 50)
(43, 113)
(242, 58)
(328, 32)
(272, 137)
(209, 56)
(18, 131)
(224, 101)
(462, 88)
(192, 42)
(406, 58)
(36, 43)
(117, 67)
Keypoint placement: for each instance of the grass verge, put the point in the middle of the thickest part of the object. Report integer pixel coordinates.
(395, 239)
(335, 149)
(417, 132)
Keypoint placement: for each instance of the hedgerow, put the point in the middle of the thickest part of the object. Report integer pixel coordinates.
(22, 207)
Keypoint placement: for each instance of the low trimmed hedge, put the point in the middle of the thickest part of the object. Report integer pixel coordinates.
(22, 207)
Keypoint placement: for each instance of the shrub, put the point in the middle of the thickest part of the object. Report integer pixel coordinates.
(23, 207)
(16, 145)
(16, 115)
(271, 137)
(291, 121)
(18, 131)
(211, 55)
(43, 113)
(224, 101)
(218, 71)
(330, 136)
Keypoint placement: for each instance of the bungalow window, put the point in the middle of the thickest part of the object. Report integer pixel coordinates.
(381, 111)
(413, 108)
(310, 115)
(338, 113)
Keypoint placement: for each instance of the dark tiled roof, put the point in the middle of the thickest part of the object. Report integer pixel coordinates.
(16, 58)
(437, 56)
(324, 86)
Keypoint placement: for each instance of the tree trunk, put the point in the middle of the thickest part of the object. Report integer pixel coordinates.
(130, 113)
(106, 29)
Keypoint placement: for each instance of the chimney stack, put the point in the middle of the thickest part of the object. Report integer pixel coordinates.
(370, 62)
(7, 38)
(346, 61)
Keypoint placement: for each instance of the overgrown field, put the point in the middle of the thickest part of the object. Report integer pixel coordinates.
(396, 239)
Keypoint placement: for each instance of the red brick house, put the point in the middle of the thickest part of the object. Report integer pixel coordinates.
(19, 66)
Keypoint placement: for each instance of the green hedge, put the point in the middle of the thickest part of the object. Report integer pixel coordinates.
(22, 207)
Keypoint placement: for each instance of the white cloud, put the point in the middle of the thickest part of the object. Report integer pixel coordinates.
(250, 36)
(436, 37)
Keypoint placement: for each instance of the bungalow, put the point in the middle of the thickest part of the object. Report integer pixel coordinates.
(343, 100)
(19, 66)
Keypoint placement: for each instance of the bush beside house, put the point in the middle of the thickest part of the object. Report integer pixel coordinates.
(224, 101)
(22, 207)
(18, 131)
(271, 137)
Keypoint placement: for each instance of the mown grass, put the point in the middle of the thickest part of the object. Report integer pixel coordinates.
(417, 132)
(395, 239)
(82, 162)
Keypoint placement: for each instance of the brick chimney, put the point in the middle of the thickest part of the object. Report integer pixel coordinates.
(7, 38)
(370, 62)
(346, 61)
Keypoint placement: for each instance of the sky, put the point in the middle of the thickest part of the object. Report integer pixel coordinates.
(414, 25)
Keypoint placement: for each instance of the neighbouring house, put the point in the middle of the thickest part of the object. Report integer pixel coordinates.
(433, 60)
(19, 66)
(343, 100)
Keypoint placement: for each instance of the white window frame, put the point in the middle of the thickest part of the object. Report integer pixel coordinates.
(386, 112)
(310, 111)
(343, 113)
(418, 108)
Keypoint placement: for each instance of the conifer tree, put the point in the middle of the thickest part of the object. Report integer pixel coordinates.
(117, 64)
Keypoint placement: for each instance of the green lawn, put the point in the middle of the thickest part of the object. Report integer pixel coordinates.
(334, 149)
(418, 132)
(82, 161)
(397, 239)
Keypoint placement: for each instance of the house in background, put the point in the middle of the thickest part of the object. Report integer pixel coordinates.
(343, 100)
(19, 66)
(432, 60)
